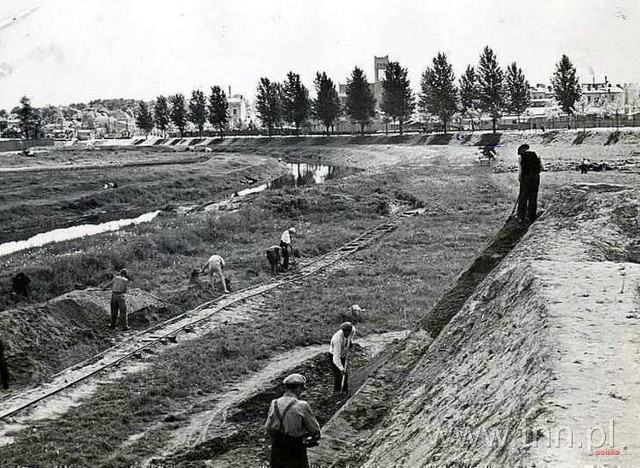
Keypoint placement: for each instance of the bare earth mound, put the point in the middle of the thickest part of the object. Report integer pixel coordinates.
(51, 336)
(540, 366)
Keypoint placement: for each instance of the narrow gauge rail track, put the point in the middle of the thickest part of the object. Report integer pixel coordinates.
(169, 329)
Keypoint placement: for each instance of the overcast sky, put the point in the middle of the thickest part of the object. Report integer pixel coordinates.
(63, 51)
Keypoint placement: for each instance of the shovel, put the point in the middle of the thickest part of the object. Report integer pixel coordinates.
(513, 211)
(344, 373)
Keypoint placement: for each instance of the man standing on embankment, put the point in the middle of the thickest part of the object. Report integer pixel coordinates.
(529, 178)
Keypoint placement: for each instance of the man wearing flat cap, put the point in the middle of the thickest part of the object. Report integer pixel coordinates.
(292, 426)
(529, 178)
(338, 352)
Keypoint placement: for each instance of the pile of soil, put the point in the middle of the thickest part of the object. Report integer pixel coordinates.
(45, 338)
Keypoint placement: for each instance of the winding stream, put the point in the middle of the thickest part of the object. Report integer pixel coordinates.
(300, 174)
(75, 232)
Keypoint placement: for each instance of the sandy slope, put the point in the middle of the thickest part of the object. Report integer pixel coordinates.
(541, 359)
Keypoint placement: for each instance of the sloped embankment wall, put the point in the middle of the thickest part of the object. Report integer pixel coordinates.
(601, 136)
(483, 378)
(540, 366)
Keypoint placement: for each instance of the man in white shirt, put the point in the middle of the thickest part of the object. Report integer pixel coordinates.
(286, 246)
(215, 264)
(338, 350)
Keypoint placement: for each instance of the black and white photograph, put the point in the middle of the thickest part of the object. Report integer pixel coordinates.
(331, 234)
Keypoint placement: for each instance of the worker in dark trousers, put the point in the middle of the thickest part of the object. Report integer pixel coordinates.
(529, 178)
(118, 303)
(273, 256)
(20, 283)
(292, 426)
(4, 372)
(338, 352)
(286, 245)
(489, 152)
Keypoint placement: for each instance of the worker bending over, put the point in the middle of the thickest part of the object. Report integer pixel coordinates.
(274, 256)
(215, 264)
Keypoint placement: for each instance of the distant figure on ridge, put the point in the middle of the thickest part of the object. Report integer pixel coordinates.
(489, 152)
(584, 166)
(529, 178)
(20, 284)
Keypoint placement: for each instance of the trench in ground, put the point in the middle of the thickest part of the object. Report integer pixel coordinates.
(244, 439)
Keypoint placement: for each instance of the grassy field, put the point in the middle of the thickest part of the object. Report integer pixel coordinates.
(397, 280)
(69, 189)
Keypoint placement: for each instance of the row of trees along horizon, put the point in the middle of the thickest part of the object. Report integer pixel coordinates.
(487, 89)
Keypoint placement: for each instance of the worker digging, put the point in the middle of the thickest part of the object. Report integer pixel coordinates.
(339, 348)
(214, 265)
(286, 244)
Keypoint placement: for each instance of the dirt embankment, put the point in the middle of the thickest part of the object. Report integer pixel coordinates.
(539, 367)
(51, 336)
(597, 136)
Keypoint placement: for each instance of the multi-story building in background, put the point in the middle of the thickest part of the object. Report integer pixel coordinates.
(599, 101)
(379, 66)
(604, 97)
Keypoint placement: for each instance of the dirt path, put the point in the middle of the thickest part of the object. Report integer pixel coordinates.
(594, 314)
(231, 308)
(213, 422)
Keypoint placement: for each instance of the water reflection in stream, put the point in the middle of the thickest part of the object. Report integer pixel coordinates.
(301, 175)
(75, 232)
